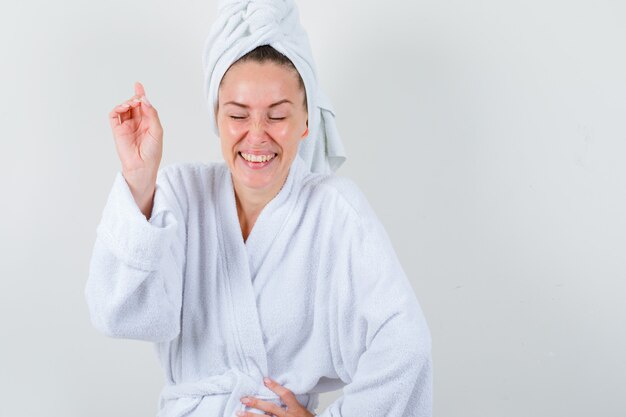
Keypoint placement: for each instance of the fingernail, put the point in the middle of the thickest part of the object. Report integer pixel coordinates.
(239, 413)
(267, 380)
(124, 105)
(145, 100)
(136, 100)
(245, 400)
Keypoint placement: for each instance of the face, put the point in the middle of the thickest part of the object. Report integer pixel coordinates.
(261, 120)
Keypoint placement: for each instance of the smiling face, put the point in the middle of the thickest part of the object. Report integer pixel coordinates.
(261, 120)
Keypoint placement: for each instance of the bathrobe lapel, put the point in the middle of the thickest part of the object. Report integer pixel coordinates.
(273, 218)
(241, 260)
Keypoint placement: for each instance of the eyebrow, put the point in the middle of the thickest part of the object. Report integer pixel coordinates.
(271, 105)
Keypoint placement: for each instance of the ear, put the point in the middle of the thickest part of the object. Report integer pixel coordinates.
(306, 132)
(216, 114)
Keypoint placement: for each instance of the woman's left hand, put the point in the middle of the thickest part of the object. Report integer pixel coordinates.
(294, 408)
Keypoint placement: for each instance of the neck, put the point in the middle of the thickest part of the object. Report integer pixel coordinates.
(250, 203)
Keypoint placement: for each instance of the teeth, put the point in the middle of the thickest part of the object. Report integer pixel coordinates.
(256, 158)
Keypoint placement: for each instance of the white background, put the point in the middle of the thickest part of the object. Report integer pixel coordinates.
(488, 135)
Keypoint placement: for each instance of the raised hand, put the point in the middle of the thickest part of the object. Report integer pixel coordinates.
(139, 143)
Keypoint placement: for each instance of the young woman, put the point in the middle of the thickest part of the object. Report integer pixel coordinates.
(259, 266)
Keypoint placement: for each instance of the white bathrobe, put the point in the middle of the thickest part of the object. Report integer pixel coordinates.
(315, 298)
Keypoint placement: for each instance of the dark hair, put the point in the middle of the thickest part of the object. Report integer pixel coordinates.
(267, 53)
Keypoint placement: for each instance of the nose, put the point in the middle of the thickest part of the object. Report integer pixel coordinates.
(256, 132)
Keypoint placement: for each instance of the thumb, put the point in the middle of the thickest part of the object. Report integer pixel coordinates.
(147, 108)
(145, 101)
(150, 112)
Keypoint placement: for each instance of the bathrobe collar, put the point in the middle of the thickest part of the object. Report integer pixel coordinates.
(264, 229)
(241, 261)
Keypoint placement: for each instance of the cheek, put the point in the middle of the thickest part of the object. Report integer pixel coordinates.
(228, 136)
(233, 128)
(281, 130)
(288, 137)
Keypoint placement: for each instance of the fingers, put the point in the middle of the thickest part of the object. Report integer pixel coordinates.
(130, 109)
(140, 93)
(119, 109)
(124, 111)
(115, 115)
(269, 407)
(285, 394)
(139, 90)
(135, 108)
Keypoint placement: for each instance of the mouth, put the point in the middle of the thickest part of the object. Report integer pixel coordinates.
(257, 161)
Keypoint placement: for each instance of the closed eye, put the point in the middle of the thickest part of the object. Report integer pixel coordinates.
(243, 117)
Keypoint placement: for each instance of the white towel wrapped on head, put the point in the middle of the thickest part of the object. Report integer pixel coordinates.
(241, 26)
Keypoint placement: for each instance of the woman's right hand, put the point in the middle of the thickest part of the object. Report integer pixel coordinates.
(139, 143)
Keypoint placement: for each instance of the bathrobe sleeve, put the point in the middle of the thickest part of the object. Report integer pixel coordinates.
(134, 287)
(383, 339)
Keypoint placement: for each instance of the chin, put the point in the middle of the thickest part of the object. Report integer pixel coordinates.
(255, 180)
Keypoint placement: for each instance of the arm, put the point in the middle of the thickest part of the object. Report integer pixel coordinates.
(383, 339)
(134, 288)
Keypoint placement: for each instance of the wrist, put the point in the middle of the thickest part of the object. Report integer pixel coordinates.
(142, 188)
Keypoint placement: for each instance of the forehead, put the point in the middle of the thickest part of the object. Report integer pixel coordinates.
(254, 81)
